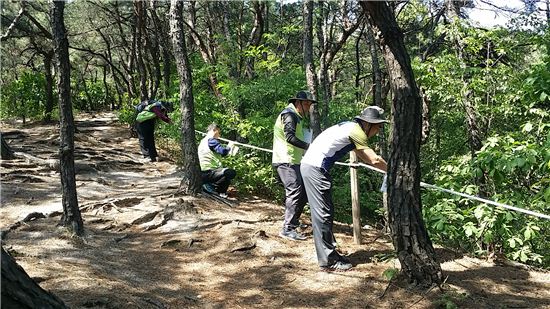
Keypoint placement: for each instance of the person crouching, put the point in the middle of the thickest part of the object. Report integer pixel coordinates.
(215, 177)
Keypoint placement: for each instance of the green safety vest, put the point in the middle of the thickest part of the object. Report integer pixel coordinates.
(208, 159)
(283, 152)
(146, 114)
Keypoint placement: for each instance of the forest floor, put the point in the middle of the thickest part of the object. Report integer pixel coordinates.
(145, 247)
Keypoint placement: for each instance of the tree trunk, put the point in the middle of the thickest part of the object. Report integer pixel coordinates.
(161, 31)
(7, 152)
(255, 35)
(153, 46)
(229, 42)
(206, 53)
(324, 84)
(71, 213)
(377, 93)
(330, 46)
(21, 291)
(106, 86)
(409, 235)
(191, 182)
(309, 66)
(139, 12)
(358, 65)
(48, 106)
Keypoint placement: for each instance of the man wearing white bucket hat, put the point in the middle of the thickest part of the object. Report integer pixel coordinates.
(331, 145)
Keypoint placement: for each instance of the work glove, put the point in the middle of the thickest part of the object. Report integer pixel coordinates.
(232, 148)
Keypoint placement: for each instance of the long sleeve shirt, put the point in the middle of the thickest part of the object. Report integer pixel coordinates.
(160, 114)
(215, 145)
(289, 121)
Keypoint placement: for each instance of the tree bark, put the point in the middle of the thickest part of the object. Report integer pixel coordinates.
(191, 182)
(48, 106)
(330, 46)
(377, 81)
(309, 66)
(152, 43)
(106, 86)
(164, 40)
(71, 213)
(204, 47)
(409, 235)
(255, 35)
(140, 17)
(21, 291)
(6, 151)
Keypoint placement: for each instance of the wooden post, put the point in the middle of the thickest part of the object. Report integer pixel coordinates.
(355, 210)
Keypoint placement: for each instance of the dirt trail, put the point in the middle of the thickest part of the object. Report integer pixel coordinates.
(145, 248)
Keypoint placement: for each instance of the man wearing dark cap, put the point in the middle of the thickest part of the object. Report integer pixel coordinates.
(331, 145)
(289, 146)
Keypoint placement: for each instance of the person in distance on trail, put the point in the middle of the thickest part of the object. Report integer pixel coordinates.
(288, 148)
(331, 145)
(215, 178)
(148, 112)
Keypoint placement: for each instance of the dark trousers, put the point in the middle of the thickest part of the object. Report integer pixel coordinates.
(295, 194)
(219, 178)
(318, 185)
(146, 134)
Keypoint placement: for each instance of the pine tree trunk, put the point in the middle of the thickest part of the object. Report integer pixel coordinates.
(48, 106)
(20, 291)
(191, 182)
(7, 152)
(140, 16)
(71, 213)
(309, 66)
(164, 40)
(409, 235)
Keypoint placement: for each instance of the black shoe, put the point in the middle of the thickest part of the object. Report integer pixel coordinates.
(339, 266)
(292, 235)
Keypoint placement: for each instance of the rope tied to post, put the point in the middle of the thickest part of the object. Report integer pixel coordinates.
(422, 184)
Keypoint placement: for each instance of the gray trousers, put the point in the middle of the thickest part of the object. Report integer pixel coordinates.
(318, 185)
(295, 194)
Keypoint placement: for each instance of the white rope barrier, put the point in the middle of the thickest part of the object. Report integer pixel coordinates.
(422, 184)
(240, 144)
(479, 199)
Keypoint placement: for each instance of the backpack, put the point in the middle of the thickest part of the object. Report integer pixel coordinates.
(142, 105)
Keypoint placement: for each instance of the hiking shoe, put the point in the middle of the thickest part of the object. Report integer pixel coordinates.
(223, 195)
(292, 235)
(339, 266)
(208, 188)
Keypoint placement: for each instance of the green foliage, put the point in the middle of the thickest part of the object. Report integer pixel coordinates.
(450, 300)
(514, 160)
(127, 113)
(91, 96)
(536, 87)
(390, 273)
(254, 177)
(24, 97)
(517, 169)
